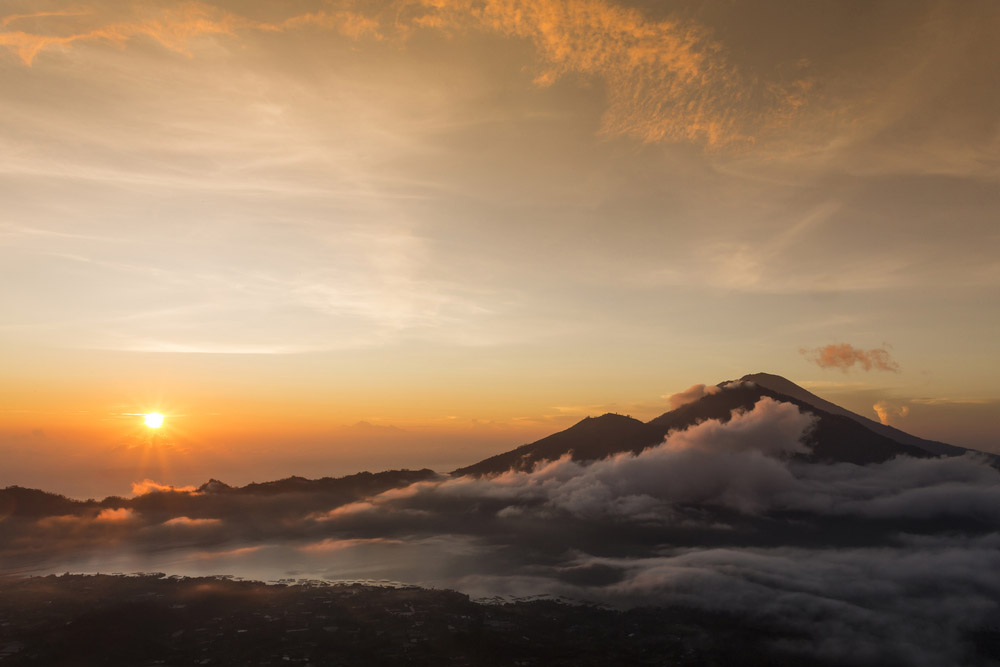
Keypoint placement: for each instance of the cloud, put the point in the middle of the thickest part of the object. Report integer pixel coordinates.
(910, 604)
(13, 18)
(690, 395)
(845, 356)
(348, 24)
(150, 486)
(944, 400)
(886, 411)
(666, 80)
(329, 545)
(188, 522)
(173, 25)
(118, 514)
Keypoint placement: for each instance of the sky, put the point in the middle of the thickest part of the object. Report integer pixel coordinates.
(321, 237)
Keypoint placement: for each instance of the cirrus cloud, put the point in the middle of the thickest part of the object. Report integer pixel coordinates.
(665, 80)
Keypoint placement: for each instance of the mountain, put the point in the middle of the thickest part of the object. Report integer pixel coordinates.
(839, 436)
(782, 386)
(592, 438)
(357, 485)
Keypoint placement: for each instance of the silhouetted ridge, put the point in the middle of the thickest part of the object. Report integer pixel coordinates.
(212, 497)
(17, 501)
(592, 438)
(214, 486)
(362, 483)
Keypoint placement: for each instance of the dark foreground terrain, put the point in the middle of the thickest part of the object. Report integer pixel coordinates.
(157, 620)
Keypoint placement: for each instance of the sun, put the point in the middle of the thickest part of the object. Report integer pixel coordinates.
(153, 420)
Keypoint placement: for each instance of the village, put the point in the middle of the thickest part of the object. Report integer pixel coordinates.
(152, 619)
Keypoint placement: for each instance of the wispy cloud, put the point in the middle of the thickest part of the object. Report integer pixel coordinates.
(944, 400)
(173, 26)
(13, 18)
(690, 395)
(666, 80)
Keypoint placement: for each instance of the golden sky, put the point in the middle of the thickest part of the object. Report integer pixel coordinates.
(328, 236)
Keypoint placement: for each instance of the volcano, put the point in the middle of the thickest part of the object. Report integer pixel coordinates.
(839, 435)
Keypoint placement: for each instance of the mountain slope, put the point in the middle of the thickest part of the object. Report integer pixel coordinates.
(839, 435)
(592, 438)
(835, 438)
(788, 388)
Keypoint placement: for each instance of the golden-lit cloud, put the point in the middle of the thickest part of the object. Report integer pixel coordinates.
(331, 544)
(666, 80)
(119, 514)
(359, 507)
(150, 486)
(944, 400)
(887, 412)
(239, 551)
(348, 24)
(188, 522)
(12, 18)
(172, 25)
(845, 356)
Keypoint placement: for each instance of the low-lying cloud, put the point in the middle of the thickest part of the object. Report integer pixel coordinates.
(691, 394)
(888, 563)
(150, 486)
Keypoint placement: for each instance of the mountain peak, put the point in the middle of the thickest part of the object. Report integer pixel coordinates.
(780, 385)
(840, 435)
(588, 439)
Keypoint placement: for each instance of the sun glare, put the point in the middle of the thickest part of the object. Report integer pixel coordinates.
(153, 420)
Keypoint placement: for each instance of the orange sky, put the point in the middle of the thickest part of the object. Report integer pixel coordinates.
(327, 236)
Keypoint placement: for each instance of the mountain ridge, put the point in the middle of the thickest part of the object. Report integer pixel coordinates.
(26, 502)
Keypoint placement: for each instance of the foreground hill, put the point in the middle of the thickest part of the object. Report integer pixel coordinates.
(155, 620)
(839, 435)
